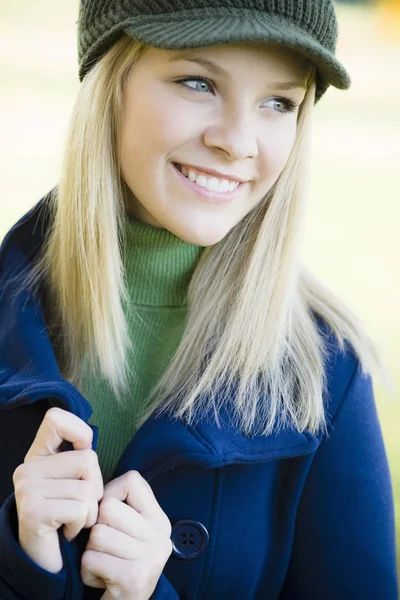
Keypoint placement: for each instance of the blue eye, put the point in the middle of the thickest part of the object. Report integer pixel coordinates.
(202, 79)
(287, 104)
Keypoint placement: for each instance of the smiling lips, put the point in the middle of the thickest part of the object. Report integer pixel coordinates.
(214, 184)
(203, 192)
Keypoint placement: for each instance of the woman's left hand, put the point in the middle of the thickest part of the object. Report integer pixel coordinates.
(130, 543)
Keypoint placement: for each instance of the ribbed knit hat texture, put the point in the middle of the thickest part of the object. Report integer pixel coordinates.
(308, 26)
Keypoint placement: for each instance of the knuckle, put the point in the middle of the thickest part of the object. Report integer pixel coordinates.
(80, 513)
(28, 512)
(133, 478)
(167, 527)
(106, 509)
(91, 519)
(163, 525)
(85, 490)
(82, 510)
(23, 489)
(90, 457)
(87, 560)
(89, 461)
(85, 498)
(53, 415)
(19, 474)
(97, 535)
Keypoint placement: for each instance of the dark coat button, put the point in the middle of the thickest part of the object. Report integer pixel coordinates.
(189, 539)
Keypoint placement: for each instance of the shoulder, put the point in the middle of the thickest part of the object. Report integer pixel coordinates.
(23, 241)
(343, 370)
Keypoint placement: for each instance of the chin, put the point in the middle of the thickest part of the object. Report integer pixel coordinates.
(202, 238)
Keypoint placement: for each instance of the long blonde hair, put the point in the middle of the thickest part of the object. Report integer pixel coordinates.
(251, 326)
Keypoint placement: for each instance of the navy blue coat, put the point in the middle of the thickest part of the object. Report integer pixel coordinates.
(291, 516)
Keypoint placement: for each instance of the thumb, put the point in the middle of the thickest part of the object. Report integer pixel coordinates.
(58, 426)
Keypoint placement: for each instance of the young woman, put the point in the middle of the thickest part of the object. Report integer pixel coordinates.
(186, 411)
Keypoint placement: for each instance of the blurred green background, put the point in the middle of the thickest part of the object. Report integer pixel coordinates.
(352, 234)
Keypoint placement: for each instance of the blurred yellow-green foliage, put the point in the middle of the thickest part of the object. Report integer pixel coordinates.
(352, 236)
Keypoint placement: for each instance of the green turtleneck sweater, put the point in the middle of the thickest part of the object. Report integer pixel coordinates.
(159, 266)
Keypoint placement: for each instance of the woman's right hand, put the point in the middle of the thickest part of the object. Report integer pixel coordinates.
(55, 489)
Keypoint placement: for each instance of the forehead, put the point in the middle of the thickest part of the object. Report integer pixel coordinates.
(225, 57)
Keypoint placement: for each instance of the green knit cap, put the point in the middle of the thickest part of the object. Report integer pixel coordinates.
(308, 26)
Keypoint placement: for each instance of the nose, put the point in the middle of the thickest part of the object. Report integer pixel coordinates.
(234, 135)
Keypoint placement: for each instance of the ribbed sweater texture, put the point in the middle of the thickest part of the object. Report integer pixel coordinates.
(159, 267)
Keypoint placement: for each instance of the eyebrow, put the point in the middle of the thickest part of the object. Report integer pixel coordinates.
(220, 72)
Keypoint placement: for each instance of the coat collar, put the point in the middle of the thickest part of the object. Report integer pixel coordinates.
(161, 444)
(29, 372)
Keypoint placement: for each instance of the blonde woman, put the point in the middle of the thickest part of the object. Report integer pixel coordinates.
(186, 411)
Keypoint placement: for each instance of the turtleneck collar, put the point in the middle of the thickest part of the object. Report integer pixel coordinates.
(159, 265)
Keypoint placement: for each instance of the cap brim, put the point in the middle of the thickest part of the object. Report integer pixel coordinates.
(177, 31)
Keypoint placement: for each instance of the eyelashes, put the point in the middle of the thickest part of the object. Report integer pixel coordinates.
(289, 105)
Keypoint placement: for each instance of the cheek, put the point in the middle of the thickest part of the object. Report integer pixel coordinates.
(275, 151)
(155, 125)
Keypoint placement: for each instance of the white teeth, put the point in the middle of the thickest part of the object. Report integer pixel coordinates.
(211, 183)
(232, 185)
(201, 180)
(192, 175)
(224, 185)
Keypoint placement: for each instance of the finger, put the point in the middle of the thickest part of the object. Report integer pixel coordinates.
(129, 578)
(72, 489)
(88, 577)
(133, 489)
(47, 516)
(75, 464)
(74, 526)
(124, 518)
(110, 541)
(59, 425)
(101, 566)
